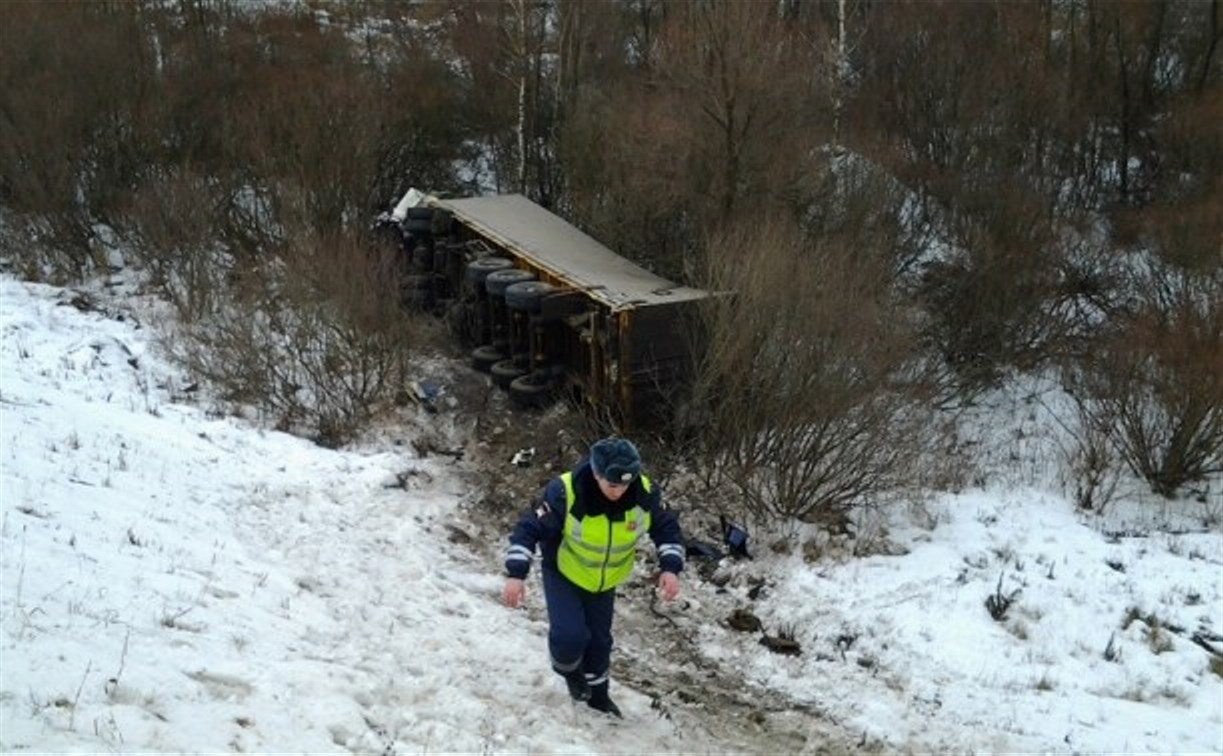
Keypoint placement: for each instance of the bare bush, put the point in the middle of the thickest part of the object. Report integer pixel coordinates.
(1154, 380)
(173, 239)
(990, 304)
(999, 602)
(807, 393)
(318, 343)
(1092, 466)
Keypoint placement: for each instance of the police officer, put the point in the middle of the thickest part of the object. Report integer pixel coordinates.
(587, 523)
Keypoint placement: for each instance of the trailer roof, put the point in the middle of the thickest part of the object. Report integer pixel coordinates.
(555, 246)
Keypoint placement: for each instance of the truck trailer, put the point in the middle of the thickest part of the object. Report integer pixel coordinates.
(547, 311)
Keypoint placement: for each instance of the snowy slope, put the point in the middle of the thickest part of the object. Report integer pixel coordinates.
(174, 581)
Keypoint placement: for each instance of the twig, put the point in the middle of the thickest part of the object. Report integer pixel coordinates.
(171, 619)
(1117, 535)
(77, 699)
(15, 402)
(113, 683)
(1203, 640)
(21, 571)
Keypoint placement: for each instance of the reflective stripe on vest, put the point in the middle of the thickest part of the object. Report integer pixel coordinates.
(596, 552)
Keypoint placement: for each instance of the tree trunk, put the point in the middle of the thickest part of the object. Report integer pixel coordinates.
(521, 53)
(840, 66)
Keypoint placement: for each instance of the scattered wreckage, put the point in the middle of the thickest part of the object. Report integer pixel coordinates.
(548, 311)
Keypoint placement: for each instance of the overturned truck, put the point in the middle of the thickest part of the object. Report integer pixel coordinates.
(547, 311)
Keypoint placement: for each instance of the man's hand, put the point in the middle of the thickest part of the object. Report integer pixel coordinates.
(513, 593)
(668, 586)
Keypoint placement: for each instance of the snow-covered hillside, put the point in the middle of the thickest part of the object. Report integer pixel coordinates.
(175, 581)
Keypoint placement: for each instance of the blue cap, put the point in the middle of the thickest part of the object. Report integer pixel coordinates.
(615, 460)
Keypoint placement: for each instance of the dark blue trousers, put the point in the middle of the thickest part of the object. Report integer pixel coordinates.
(579, 627)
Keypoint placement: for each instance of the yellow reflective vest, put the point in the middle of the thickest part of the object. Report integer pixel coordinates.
(596, 552)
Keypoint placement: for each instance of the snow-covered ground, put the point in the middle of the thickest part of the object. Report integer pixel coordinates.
(177, 581)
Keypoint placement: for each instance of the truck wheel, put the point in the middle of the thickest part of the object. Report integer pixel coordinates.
(483, 358)
(497, 281)
(530, 394)
(478, 270)
(527, 295)
(419, 221)
(505, 371)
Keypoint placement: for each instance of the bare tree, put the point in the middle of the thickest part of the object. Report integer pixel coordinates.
(75, 89)
(738, 69)
(718, 124)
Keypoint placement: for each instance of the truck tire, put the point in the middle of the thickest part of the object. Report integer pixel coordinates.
(529, 394)
(497, 281)
(483, 358)
(419, 221)
(505, 372)
(527, 295)
(477, 270)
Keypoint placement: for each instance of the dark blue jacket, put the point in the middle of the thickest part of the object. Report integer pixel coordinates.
(541, 525)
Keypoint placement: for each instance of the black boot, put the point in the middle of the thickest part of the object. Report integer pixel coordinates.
(601, 701)
(579, 689)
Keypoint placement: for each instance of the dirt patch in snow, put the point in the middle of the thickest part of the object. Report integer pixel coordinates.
(657, 651)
